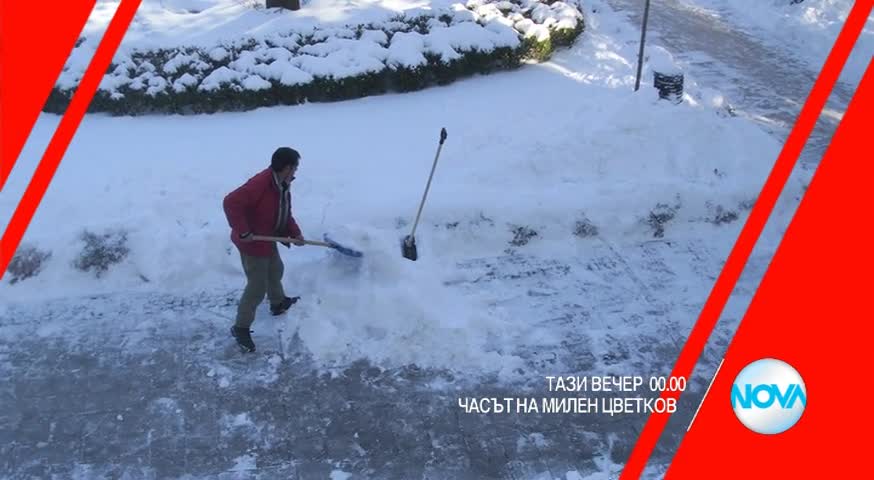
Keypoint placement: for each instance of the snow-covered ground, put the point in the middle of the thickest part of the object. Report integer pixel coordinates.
(807, 29)
(545, 149)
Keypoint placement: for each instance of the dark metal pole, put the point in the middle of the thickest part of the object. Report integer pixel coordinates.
(642, 42)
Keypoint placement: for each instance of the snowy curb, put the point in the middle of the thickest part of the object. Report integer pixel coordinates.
(411, 51)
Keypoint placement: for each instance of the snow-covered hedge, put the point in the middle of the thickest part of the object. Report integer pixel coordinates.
(414, 50)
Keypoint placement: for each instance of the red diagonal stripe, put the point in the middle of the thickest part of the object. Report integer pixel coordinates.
(752, 229)
(33, 53)
(813, 312)
(67, 128)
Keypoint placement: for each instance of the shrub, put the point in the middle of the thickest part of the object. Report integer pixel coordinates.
(659, 217)
(566, 37)
(747, 204)
(537, 50)
(27, 262)
(126, 100)
(585, 228)
(102, 251)
(722, 216)
(522, 235)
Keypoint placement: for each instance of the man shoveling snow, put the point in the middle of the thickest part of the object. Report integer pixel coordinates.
(262, 206)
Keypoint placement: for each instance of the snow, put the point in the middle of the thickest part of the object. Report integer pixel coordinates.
(139, 83)
(575, 475)
(163, 24)
(461, 14)
(184, 6)
(807, 29)
(469, 36)
(244, 463)
(533, 30)
(339, 64)
(376, 36)
(156, 85)
(340, 475)
(406, 50)
(540, 147)
(245, 61)
(541, 14)
(661, 61)
(218, 78)
(365, 47)
(578, 142)
(567, 16)
(179, 60)
(254, 82)
(113, 82)
(184, 82)
(532, 440)
(292, 75)
(218, 53)
(277, 53)
(487, 12)
(292, 48)
(341, 58)
(381, 283)
(239, 420)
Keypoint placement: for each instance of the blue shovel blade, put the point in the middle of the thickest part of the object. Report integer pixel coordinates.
(342, 249)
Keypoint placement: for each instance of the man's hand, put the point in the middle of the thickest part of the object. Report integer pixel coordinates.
(298, 241)
(246, 237)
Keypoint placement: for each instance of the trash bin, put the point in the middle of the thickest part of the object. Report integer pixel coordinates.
(289, 4)
(669, 85)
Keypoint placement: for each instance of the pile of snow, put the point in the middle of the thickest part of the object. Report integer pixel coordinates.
(375, 308)
(660, 60)
(807, 28)
(290, 48)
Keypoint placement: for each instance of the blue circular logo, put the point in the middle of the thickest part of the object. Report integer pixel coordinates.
(768, 396)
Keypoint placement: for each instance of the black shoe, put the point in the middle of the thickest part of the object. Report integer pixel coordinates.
(244, 339)
(283, 306)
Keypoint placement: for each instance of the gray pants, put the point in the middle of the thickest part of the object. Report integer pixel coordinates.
(263, 276)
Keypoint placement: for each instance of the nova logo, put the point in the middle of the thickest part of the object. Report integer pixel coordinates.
(768, 396)
(763, 396)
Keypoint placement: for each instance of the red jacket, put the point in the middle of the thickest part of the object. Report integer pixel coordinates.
(253, 207)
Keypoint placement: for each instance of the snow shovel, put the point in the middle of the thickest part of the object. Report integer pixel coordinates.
(408, 245)
(327, 243)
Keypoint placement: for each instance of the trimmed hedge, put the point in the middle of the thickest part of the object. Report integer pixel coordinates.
(125, 100)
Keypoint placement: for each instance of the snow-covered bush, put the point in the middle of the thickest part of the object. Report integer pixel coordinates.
(27, 262)
(414, 50)
(101, 251)
(721, 215)
(660, 216)
(522, 235)
(585, 228)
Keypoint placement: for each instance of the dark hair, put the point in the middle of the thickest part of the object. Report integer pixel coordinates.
(283, 157)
